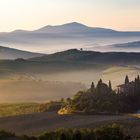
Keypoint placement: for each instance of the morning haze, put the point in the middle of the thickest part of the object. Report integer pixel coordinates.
(71, 64)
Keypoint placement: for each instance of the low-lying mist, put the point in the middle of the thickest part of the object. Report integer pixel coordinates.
(55, 44)
(40, 87)
(36, 91)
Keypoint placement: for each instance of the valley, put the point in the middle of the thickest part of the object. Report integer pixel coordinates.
(62, 74)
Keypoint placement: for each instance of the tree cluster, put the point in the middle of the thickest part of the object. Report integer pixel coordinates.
(103, 99)
(111, 132)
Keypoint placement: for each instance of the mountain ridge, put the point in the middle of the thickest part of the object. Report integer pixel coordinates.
(71, 24)
(12, 53)
(68, 25)
(72, 27)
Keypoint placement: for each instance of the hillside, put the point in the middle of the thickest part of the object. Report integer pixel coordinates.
(40, 67)
(10, 53)
(92, 57)
(133, 45)
(57, 75)
(70, 60)
(63, 66)
(103, 99)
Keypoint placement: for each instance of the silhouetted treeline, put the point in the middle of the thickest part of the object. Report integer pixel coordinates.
(108, 132)
(103, 99)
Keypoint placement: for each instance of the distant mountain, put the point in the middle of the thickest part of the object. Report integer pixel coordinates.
(66, 36)
(68, 28)
(10, 53)
(73, 27)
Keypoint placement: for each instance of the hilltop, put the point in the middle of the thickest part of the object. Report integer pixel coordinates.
(91, 57)
(11, 53)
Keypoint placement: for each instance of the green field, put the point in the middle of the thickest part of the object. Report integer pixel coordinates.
(18, 109)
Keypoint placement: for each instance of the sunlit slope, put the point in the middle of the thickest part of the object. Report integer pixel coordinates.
(18, 109)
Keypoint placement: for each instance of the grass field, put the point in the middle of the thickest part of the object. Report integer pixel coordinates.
(18, 109)
(38, 123)
(24, 118)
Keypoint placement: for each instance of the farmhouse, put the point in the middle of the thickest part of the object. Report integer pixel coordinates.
(126, 88)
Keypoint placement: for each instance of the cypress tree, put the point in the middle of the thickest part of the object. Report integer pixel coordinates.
(92, 87)
(100, 81)
(138, 78)
(126, 79)
(63, 136)
(110, 86)
(99, 85)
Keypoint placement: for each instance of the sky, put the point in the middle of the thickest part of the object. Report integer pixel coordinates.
(33, 14)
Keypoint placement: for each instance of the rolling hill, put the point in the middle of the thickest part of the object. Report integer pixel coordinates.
(70, 60)
(21, 77)
(128, 45)
(92, 57)
(10, 53)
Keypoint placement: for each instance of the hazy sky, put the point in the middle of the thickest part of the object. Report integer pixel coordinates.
(33, 14)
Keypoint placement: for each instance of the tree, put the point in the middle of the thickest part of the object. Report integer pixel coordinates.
(77, 135)
(100, 81)
(68, 100)
(98, 88)
(126, 79)
(62, 100)
(92, 87)
(81, 49)
(138, 78)
(110, 86)
(63, 136)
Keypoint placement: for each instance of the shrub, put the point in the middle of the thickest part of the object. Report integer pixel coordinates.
(4, 134)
